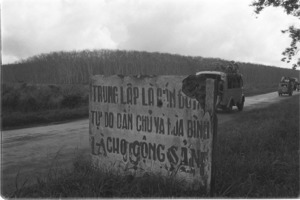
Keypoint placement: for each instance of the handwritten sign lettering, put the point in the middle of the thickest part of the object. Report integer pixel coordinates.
(147, 124)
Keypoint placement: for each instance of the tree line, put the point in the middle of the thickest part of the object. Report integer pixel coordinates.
(75, 67)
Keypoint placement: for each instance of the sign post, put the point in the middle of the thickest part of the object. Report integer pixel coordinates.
(142, 124)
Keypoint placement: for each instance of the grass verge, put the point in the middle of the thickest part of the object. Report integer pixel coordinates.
(257, 157)
(258, 153)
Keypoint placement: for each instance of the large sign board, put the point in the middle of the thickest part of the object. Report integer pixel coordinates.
(142, 124)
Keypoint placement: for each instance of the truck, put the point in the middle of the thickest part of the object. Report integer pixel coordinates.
(230, 89)
(286, 86)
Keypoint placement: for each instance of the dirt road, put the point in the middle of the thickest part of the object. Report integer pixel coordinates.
(30, 152)
(254, 102)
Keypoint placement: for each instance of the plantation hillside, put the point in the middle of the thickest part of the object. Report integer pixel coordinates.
(75, 67)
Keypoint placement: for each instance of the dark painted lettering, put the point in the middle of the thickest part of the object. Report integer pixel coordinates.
(109, 119)
(172, 155)
(122, 96)
(135, 95)
(129, 95)
(109, 145)
(105, 94)
(171, 98)
(184, 156)
(101, 147)
(150, 97)
(144, 123)
(144, 101)
(116, 145)
(160, 154)
(124, 121)
(144, 149)
(177, 130)
(158, 96)
(123, 147)
(152, 151)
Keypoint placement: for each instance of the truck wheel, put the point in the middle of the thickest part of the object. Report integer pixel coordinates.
(229, 108)
(240, 106)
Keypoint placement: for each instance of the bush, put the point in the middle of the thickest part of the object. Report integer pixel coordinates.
(28, 103)
(26, 98)
(71, 100)
(10, 100)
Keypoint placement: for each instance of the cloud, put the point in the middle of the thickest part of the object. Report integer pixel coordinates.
(226, 29)
(51, 25)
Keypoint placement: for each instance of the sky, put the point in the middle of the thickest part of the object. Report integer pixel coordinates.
(226, 29)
